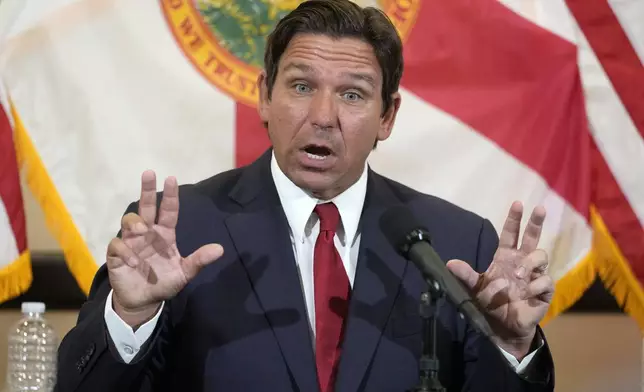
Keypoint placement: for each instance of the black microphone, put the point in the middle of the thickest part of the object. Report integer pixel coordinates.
(412, 241)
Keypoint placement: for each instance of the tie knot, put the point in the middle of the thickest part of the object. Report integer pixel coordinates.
(329, 216)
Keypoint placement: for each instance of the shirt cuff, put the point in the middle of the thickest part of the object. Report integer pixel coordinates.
(126, 340)
(521, 367)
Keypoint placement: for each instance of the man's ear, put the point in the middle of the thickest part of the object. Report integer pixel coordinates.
(264, 99)
(388, 119)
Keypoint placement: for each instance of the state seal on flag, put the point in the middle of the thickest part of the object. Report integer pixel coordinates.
(225, 39)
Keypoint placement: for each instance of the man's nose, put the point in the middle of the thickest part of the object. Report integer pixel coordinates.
(323, 110)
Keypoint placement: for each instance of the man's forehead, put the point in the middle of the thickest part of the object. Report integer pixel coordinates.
(314, 53)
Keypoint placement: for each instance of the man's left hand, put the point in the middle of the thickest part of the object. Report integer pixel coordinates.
(516, 290)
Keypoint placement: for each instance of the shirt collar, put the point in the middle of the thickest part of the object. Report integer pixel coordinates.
(298, 204)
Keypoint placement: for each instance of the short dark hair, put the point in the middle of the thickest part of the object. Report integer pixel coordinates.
(338, 19)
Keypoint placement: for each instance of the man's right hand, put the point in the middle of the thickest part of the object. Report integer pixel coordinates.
(144, 265)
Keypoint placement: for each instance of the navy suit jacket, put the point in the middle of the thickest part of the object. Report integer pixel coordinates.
(241, 324)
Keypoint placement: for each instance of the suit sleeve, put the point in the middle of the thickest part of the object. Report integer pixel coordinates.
(89, 361)
(485, 367)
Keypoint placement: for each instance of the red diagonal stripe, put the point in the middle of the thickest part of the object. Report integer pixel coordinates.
(251, 138)
(619, 217)
(615, 53)
(509, 79)
(10, 192)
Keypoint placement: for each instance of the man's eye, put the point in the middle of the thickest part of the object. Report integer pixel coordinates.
(302, 88)
(352, 96)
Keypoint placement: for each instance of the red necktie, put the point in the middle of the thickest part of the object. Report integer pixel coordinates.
(331, 297)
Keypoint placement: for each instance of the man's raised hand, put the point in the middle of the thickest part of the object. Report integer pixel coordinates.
(144, 264)
(515, 291)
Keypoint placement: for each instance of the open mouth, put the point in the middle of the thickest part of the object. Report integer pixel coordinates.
(317, 152)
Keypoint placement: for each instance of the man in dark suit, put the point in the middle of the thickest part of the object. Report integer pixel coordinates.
(308, 295)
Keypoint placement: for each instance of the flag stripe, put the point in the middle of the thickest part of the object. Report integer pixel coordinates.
(502, 74)
(251, 138)
(630, 14)
(615, 53)
(617, 214)
(10, 192)
(8, 247)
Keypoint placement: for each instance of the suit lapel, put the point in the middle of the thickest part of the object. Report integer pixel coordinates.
(377, 282)
(261, 237)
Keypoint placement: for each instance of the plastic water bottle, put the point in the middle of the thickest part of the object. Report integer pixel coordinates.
(33, 345)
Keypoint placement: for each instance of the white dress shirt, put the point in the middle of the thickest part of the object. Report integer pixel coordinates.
(304, 227)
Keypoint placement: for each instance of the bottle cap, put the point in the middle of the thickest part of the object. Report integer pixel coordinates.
(33, 307)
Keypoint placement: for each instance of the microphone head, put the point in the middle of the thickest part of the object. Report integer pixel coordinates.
(401, 228)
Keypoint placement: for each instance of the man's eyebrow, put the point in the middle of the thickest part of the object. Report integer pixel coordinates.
(299, 66)
(364, 76)
(360, 76)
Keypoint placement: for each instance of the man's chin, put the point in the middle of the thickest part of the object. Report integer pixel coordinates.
(320, 184)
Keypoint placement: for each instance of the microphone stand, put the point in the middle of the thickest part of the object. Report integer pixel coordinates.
(429, 364)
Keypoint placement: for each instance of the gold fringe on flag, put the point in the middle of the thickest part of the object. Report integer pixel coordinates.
(616, 273)
(16, 277)
(59, 221)
(605, 260)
